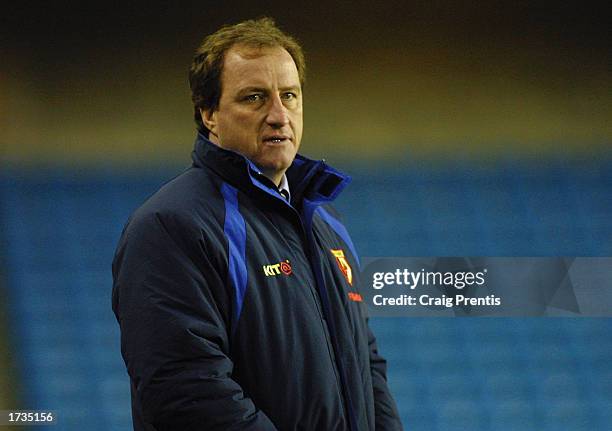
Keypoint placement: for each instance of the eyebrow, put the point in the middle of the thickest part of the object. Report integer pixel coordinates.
(294, 88)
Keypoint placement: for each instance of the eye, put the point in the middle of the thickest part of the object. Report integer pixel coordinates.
(289, 96)
(255, 97)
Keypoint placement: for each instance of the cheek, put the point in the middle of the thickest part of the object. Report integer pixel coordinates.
(238, 124)
(298, 124)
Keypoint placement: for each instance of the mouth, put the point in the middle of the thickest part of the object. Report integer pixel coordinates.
(276, 139)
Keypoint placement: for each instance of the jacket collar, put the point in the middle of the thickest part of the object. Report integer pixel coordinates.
(308, 179)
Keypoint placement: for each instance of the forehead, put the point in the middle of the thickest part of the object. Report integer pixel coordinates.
(258, 66)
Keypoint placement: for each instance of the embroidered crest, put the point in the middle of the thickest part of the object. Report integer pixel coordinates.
(343, 265)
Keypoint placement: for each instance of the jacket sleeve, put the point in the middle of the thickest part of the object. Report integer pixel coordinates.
(174, 311)
(387, 416)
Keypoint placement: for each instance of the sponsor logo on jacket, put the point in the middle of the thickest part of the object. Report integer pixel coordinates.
(283, 267)
(354, 296)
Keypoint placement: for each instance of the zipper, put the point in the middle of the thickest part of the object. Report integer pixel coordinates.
(306, 230)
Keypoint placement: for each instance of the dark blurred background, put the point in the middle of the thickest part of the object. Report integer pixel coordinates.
(108, 81)
(470, 128)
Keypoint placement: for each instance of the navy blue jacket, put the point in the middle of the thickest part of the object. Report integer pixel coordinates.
(240, 311)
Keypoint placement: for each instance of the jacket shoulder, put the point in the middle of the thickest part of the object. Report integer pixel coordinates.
(186, 209)
(189, 197)
(329, 220)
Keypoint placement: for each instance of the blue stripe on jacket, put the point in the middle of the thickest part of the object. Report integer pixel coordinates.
(339, 228)
(234, 229)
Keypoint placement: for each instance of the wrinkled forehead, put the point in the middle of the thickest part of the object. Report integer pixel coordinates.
(247, 64)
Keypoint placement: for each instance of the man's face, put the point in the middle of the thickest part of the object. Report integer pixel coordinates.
(260, 109)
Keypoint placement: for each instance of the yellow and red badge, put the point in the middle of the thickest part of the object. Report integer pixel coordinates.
(343, 265)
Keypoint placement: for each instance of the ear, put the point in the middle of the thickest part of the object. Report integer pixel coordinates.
(209, 118)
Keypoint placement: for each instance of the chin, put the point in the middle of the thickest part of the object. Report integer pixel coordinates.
(277, 163)
(275, 167)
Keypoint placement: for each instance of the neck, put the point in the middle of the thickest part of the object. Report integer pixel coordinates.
(275, 178)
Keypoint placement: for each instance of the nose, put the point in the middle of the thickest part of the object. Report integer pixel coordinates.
(277, 113)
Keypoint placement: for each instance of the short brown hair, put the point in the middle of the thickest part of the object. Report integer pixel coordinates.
(207, 66)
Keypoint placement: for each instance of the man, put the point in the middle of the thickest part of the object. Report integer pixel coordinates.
(235, 285)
